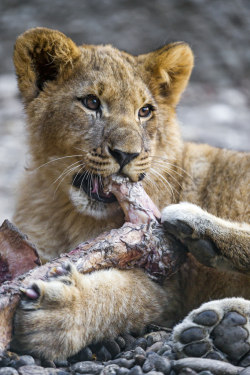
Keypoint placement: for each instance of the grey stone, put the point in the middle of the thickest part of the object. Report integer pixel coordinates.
(87, 367)
(24, 360)
(32, 370)
(246, 371)
(110, 370)
(122, 362)
(140, 359)
(136, 370)
(147, 366)
(156, 336)
(122, 371)
(140, 350)
(155, 347)
(8, 371)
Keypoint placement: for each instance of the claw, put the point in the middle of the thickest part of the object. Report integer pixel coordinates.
(32, 292)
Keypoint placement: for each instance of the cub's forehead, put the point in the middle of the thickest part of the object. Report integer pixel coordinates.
(110, 70)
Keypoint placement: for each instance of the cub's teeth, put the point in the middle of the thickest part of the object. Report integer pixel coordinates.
(95, 185)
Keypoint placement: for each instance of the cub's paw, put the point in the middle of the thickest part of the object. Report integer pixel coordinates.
(45, 322)
(190, 224)
(218, 329)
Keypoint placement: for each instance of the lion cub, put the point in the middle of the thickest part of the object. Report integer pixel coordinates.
(93, 111)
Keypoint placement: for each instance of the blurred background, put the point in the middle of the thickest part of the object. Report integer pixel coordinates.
(215, 107)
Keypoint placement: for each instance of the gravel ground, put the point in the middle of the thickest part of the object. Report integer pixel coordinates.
(127, 355)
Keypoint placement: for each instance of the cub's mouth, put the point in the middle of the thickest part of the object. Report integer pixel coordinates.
(93, 187)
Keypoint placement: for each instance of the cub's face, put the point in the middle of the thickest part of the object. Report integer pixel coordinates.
(97, 111)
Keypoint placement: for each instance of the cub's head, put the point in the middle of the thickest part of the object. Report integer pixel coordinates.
(94, 111)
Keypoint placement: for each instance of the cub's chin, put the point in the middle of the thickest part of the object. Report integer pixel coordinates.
(88, 198)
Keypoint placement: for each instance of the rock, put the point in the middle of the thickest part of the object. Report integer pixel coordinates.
(24, 360)
(32, 370)
(121, 362)
(122, 371)
(87, 367)
(155, 347)
(162, 364)
(110, 370)
(187, 371)
(8, 371)
(147, 366)
(127, 355)
(154, 337)
(139, 350)
(165, 347)
(245, 362)
(140, 359)
(136, 370)
(246, 371)
(140, 342)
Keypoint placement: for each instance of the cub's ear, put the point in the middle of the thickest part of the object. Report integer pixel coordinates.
(169, 69)
(42, 55)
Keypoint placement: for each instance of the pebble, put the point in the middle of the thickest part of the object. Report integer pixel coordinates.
(110, 370)
(140, 359)
(140, 342)
(163, 365)
(147, 366)
(122, 362)
(108, 359)
(139, 350)
(246, 371)
(128, 355)
(122, 371)
(33, 370)
(187, 371)
(155, 347)
(87, 367)
(24, 360)
(8, 371)
(157, 336)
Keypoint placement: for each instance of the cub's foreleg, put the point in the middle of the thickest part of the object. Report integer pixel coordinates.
(213, 241)
(57, 318)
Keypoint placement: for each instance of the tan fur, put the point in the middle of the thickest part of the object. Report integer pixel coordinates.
(65, 138)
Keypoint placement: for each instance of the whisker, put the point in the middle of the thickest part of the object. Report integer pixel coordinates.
(168, 187)
(65, 175)
(175, 179)
(167, 182)
(52, 161)
(66, 170)
(165, 160)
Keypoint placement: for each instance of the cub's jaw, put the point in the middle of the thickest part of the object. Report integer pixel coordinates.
(93, 187)
(87, 195)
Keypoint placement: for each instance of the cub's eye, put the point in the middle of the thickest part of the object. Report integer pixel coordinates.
(92, 102)
(145, 111)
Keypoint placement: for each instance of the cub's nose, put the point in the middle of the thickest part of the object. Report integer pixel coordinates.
(121, 157)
